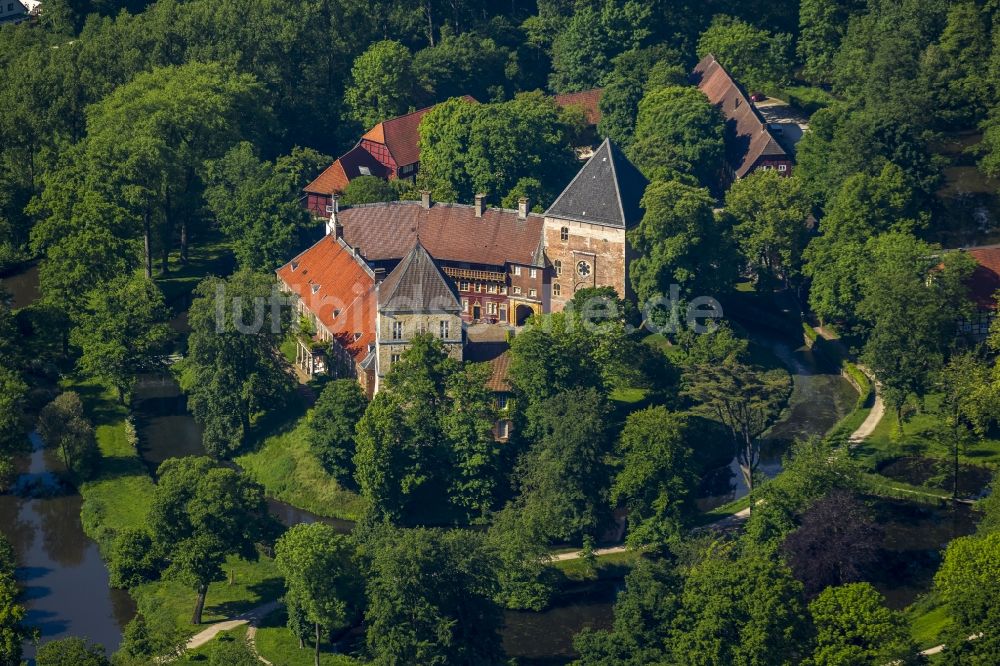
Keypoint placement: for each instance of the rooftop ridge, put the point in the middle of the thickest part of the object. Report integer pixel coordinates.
(443, 204)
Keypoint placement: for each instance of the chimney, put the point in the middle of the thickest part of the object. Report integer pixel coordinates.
(523, 205)
(479, 204)
(425, 198)
(379, 274)
(332, 225)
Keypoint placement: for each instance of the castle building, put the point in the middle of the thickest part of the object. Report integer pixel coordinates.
(585, 234)
(388, 271)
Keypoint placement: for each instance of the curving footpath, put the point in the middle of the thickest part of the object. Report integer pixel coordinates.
(251, 617)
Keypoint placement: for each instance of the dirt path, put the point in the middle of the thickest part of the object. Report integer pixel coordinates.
(250, 617)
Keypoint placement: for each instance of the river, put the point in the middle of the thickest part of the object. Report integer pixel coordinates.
(820, 398)
(64, 579)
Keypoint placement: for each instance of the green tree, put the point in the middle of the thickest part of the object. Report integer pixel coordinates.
(910, 305)
(402, 451)
(13, 396)
(229, 651)
(71, 652)
(122, 331)
(462, 64)
(743, 397)
(430, 599)
(201, 514)
(63, 426)
(853, 626)
(255, 204)
(133, 560)
(969, 584)
(231, 371)
(331, 427)
(756, 58)
(742, 608)
(382, 83)
(321, 575)
(769, 213)
(655, 479)
(524, 578)
(13, 630)
(679, 241)
(368, 189)
(467, 149)
(564, 476)
(678, 134)
(468, 426)
(643, 626)
(633, 73)
(822, 25)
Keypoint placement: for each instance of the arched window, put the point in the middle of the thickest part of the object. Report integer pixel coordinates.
(557, 265)
(556, 289)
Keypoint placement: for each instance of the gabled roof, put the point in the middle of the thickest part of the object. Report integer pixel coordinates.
(747, 136)
(450, 232)
(401, 134)
(348, 166)
(608, 190)
(985, 280)
(339, 288)
(417, 284)
(589, 100)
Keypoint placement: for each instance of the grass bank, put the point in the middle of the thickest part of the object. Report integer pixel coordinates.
(289, 472)
(277, 644)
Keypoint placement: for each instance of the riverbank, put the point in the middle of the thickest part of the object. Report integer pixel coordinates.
(118, 497)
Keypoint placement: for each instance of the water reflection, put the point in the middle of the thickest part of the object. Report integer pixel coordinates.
(820, 398)
(22, 286)
(64, 579)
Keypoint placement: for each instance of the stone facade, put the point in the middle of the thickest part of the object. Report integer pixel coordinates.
(584, 255)
(395, 330)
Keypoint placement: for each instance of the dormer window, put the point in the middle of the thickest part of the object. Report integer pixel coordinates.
(357, 336)
(315, 288)
(295, 265)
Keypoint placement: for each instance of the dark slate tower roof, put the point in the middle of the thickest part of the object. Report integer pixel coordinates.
(607, 191)
(417, 284)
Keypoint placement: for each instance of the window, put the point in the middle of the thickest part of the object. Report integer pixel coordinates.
(463, 285)
(421, 328)
(503, 289)
(517, 291)
(479, 287)
(364, 171)
(397, 330)
(533, 273)
(443, 329)
(583, 268)
(503, 402)
(491, 288)
(491, 308)
(394, 359)
(557, 265)
(465, 305)
(503, 429)
(782, 167)
(517, 270)
(556, 289)
(564, 234)
(533, 293)
(503, 312)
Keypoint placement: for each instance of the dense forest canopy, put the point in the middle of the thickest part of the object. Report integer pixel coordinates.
(152, 160)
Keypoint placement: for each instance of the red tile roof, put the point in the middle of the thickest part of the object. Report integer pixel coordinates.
(985, 280)
(355, 162)
(450, 232)
(752, 139)
(401, 136)
(339, 289)
(589, 100)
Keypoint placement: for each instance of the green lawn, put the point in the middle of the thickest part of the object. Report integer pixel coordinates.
(289, 471)
(119, 495)
(928, 621)
(277, 644)
(918, 440)
(612, 566)
(200, 655)
(211, 256)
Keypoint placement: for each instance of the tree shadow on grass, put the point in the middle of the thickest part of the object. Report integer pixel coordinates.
(266, 590)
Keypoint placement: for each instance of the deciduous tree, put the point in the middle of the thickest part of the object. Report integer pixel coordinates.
(382, 84)
(332, 424)
(756, 58)
(63, 426)
(853, 626)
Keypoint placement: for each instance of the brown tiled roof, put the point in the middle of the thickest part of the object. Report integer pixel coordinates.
(450, 232)
(748, 138)
(497, 354)
(589, 100)
(401, 136)
(417, 284)
(339, 288)
(985, 280)
(348, 166)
